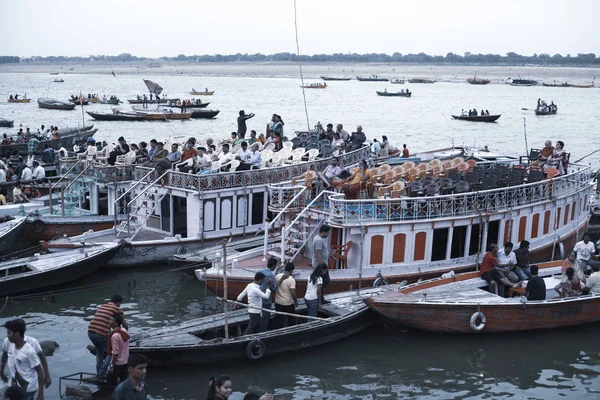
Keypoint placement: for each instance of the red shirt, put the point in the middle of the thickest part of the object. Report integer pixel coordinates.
(488, 263)
(188, 153)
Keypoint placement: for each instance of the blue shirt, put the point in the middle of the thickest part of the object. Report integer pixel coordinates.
(268, 282)
(127, 391)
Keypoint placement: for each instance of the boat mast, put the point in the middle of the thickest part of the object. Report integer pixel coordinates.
(525, 134)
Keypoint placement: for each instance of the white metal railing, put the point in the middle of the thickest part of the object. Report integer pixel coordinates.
(277, 198)
(138, 182)
(472, 203)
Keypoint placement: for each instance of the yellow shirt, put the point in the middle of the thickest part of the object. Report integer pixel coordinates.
(283, 294)
(358, 177)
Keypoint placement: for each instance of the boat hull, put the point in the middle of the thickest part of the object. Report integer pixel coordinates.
(394, 94)
(5, 123)
(537, 112)
(203, 93)
(47, 279)
(11, 230)
(153, 101)
(479, 118)
(333, 78)
(53, 106)
(205, 114)
(203, 105)
(19, 100)
(114, 117)
(49, 228)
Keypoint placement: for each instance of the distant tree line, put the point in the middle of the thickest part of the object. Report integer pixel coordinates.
(510, 58)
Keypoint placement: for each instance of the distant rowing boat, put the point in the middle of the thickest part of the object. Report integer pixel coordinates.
(477, 118)
(53, 104)
(420, 80)
(334, 78)
(397, 81)
(205, 93)
(394, 94)
(19, 100)
(371, 78)
(314, 86)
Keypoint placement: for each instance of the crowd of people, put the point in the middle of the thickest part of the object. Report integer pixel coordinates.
(580, 272)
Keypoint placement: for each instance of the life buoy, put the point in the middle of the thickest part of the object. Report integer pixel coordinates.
(482, 319)
(38, 226)
(380, 281)
(256, 349)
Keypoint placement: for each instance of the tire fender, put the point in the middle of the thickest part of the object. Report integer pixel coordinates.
(256, 349)
(482, 320)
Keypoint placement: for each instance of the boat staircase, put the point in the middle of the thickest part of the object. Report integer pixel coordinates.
(141, 206)
(297, 222)
(72, 196)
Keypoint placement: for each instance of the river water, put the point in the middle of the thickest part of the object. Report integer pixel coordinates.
(382, 362)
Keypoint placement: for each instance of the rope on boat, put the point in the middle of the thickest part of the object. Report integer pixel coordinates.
(17, 254)
(273, 311)
(300, 65)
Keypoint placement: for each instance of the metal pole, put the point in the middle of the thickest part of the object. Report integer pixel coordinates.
(525, 134)
(225, 289)
(360, 271)
(62, 200)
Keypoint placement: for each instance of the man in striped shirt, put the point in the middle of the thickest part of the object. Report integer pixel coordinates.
(99, 328)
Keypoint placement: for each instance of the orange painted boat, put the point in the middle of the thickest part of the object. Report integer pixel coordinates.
(461, 304)
(584, 86)
(19, 100)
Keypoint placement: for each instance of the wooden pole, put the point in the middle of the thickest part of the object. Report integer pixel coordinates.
(224, 243)
(525, 134)
(273, 311)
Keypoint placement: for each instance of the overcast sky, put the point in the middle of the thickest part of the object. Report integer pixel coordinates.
(155, 28)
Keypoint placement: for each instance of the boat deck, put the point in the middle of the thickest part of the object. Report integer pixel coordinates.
(257, 263)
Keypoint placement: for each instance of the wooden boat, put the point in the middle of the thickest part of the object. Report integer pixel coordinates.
(475, 81)
(53, 104)
(79, 101)
(314, 86)
(205, 114)
(196, 93)
(6, 123)
(47, 227)
(92, 99)
(153, 101)
(478, 118)
(10, 230)
(461, 304)
(523, 82)
(397, 81)
(584, 86)
(113, 102)
(420, 80)
(565, 84)
(394, 94)
(59, 80)
(202, 340)
(193, 105)
(159, 116)
(19, 100)
(335, 78)
(542, 112)
(371, 78)
(68, 137)
(43, 271)
(114, 116)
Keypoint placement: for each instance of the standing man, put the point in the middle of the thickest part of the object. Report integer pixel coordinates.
(28, 373)
(255, 297)
(268, 283)
(321, 255)
(118, 351)
(241, 121)
(8, 358)
(99, 327)
(285, 296)
(134, 387)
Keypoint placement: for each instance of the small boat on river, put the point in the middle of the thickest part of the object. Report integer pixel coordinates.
(192, 105)
(478, 81)
(371, 78)
(545, 112)
(335, 78)
(153, 101)
(420, 80)
(18, 100)
(57, 80)
(565, 84)
(202, 340)
(43, 271)
(68, 137)
(477, 118)
(462, 304)
(314, 86)
(6, 123)
(203, 93)
(113, 102)
(204, 114)
(584, 86)
(397, 81)
(394, 94)
(522, 82)
(53, 104)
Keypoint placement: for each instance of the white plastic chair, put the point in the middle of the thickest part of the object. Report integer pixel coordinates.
(189, 162)
(297, 155)
(312, 154)
(269, 146)
(288, 145)
(126, 159)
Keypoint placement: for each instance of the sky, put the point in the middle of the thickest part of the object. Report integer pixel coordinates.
(155, 28)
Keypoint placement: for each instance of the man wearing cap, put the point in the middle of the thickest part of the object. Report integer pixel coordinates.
(241, 121)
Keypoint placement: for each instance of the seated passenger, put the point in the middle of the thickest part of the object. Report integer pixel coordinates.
(351, 186)
(557, 158)
(544, 154)
(492, 270)
(333, 170)
(536, 287)
(569, 285)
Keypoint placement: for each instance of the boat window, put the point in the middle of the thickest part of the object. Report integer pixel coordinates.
(420, 240)
(507, 230)
(566, 219)
(242, 210)
(459, 241)
(493, 233)
(474, 243)
(522, 228)
(180, 216)
(546, 222)
(226, 212)
(574, 206)
(440, 243)
(535, 222)
(165, 213)
(376, 249)
(258, 208)
(557, 224)
(208, 208)
(399, 248)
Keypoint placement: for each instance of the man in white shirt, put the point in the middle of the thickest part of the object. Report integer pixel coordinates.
(26, 175)
(244, 154)
(343, 134)
(254, 161)
(585, 251)
(202, 159)
(593, 282)
(28, 372)
(509, 259)
(2, 175)
(255, 297)
(333, 170)
(9, 361)
(18, 196)
(39, 173)
(225, 156)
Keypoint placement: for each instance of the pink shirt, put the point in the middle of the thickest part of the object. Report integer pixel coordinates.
(120, 347)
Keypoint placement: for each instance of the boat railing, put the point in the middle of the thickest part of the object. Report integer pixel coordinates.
(143, 179)
(286, 198)
(128, 206)
(344, 211)
(264, 176)
(63, 190)
(62, 178)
